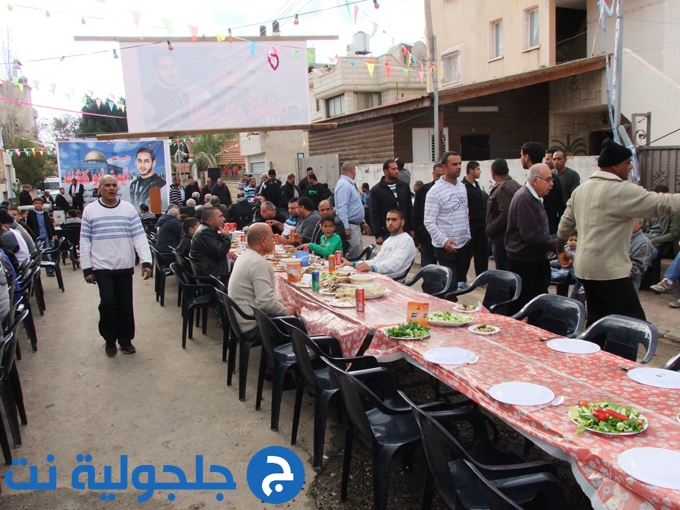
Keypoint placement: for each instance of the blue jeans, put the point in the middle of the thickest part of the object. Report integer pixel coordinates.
(673, 271)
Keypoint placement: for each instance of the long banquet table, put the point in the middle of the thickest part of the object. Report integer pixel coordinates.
(517, 353)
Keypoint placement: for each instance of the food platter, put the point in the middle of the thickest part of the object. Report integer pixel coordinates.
(475, 329)
(467, 307)
(455, 320)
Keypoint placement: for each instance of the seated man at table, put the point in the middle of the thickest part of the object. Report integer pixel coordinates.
(270, 215)
(308, 220)
(396, 254)
(210, 245)
(289, 224)
(252, 280)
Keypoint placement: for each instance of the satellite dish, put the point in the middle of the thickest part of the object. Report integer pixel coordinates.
(419, 51)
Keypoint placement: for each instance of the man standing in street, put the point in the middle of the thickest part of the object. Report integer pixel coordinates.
(191, 188)
(422, 236)
(527, 240)
(40, 223)
(603, 209)
(110, 234)
(390, 193)
(77, 192)
(207, 189)
(498, 206)
(314, 190)
(288, 190)
(350, 209)
(145, 159)
(221, 191)
(531, 154)
(272, 191)
(177, 192)
(569, 179)
(404, 173)
(446, 219)
(61, 202)
(304, 182)
(477, 209)
(25, 197)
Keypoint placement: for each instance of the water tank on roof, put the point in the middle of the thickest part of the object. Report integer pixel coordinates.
(361, 43)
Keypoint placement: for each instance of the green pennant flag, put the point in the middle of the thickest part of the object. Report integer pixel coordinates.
(348, 11)
(292, 55)
(168, 25)
(310, 57)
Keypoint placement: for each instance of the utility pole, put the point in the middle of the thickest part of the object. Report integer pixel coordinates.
(619, 66)
(432, 40)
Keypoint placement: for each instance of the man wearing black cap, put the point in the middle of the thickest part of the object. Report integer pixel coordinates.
(603, 210)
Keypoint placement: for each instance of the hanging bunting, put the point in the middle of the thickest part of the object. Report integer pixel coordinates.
(415, 61)
(168, 25)
(356, 12)
(112, 96)
(348, 11)
(310, 58)
(15, 79)
(33, 151)
(371, 66)
(304, 143)
(352, 62)
(90, 93)
(253, 47)
(194, 32)
(421, 73)
(53, 86)
(388, 69)
(99, 102)
(405, 70)
(410, 58)
(110, 105)
(35, 84)
(294, 54)
(21, 86)
(375, 30)
(67, 95)
(333, 59)
(221, 37)
(122, 107)
(4, 83)
(136, 16)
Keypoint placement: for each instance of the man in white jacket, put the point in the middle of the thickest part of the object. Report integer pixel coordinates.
(396, 254)
(110, 234)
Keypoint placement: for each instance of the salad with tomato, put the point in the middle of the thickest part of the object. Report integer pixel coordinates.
(607, 418)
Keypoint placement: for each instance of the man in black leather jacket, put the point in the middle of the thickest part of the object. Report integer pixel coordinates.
(210, 245)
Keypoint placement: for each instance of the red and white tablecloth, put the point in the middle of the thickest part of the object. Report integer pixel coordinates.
(516, 353)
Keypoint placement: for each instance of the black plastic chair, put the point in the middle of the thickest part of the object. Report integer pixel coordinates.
(437, 280)
(400, 278)
(71, 232)
(277, 352)
(447, 471)
(546, 484)
(673, 363)
(238, 338)
(558, 314)
(162, 262)
(53, 253)
(366, 254)
(10, 384)
(195, 296)
(319, 382)
(387, 428)
(622, 336)
(502, 288)
(25, 282)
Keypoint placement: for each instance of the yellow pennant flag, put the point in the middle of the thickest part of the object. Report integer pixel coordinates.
(221, 37)
(21, 86)
(304, 143)
(122, 107)
(73, 90)
(371, 67)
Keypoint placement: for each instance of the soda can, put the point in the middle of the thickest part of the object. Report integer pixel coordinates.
(245, 231)
(315, 281)
(276, 239)
(242, 238)
(338, 258)
(292, 235)
(360, 300)
(331, 264)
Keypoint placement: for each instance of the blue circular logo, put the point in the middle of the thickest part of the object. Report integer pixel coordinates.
(275, 475)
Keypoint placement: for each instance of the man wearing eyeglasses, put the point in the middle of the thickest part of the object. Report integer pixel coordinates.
(446, 218)
(527, 239)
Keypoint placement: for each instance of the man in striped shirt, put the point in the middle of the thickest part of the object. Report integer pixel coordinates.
(446, 218)
(110, 234)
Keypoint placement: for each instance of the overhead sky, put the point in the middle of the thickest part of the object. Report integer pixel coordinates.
(40, 40)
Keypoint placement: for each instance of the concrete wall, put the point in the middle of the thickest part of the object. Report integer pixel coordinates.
(471, 35)
(584, 165)
(278, 149)
(17, 120)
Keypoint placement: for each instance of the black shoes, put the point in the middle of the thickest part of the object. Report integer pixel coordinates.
(128, 349)
(111, 350)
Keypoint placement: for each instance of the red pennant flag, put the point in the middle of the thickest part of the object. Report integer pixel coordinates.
(356, 12)
(388, 69)
(4, 83)
(194, 32)
(90, 93)
(99, 102)
(112, 96)
(404, 50)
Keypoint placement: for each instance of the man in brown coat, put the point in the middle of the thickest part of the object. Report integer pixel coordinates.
(497, 210)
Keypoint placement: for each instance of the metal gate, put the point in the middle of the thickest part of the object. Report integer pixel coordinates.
(659, 165)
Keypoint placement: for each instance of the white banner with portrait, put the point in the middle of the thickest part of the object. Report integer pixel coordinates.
(211, 85)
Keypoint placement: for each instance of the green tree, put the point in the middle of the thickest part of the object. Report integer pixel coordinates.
(52, 129)
(32, 169)
(91, 125)
(206, 149)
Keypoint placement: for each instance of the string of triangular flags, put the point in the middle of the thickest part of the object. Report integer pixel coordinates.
(69, 92)
(32, 151)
